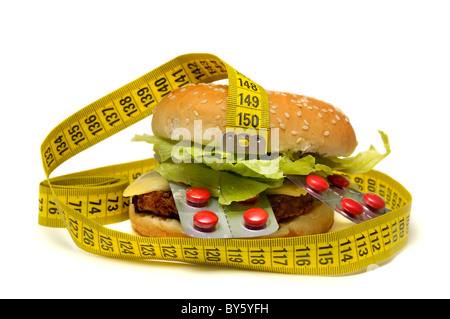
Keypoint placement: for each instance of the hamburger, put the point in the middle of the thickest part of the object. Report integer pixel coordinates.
(312, 137)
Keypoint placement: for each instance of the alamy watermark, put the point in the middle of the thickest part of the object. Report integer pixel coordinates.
(231, 146)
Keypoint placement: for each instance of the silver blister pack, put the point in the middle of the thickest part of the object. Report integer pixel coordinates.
(334, 195)
(187, 212)
(235, 213)
(230, 222)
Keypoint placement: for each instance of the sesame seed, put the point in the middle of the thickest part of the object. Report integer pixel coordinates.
(195, 113)
(294, 133)
(299, 139)
(331, 110)
(272, 111)
(305, 127)
(310, 107)
(299, 104)
(286, 114)
(218, 117)
(272, 125)
(204, 101)
(299, 113)
(283, 94)
(274, 106)
(333, 121)
(320, 115)
(326, 133)
(189, 106)
(279, 120)
(172, 97)
(316, 107)
(282, 126)
(222, 90)
(337, 116)
(338, 110)
(219, 101)
(196, 92)
(224, 123)
(187, 120)
(306, 122)
(324, 111)
(347, 120)
(183, 89)
(223, 108)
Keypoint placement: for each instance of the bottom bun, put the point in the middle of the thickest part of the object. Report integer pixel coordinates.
(150, 225)
(317, 220)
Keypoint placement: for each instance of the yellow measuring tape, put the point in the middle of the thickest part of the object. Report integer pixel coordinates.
(84, 202)
(248, 104)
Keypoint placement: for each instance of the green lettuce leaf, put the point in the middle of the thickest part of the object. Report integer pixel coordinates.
(232, 180)
(162, 147)
(360, 163)
(191, 153)
(227, 187)
(302, 166)
(265, 169)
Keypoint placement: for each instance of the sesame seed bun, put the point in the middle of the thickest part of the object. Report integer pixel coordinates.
(305, 124)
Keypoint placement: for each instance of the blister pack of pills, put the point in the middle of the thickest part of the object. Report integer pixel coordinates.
(336, 192)
(202, 216)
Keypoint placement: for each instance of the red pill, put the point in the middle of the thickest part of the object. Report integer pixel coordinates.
(255, 218)
(351, 206)
(374, 201)
(205, 220)
(197, 196)
(317, 183)
(338, 180)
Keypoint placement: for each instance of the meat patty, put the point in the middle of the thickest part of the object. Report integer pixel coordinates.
(161, 203)
(285, 206)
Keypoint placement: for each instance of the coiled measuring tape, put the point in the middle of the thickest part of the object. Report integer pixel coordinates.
(85, 202)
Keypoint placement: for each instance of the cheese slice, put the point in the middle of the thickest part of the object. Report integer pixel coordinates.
(149, 182)
(288, 188)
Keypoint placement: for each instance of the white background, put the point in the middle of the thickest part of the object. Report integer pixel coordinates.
(384, 63)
